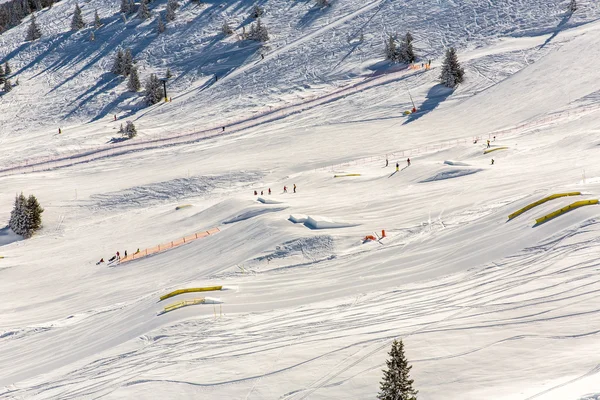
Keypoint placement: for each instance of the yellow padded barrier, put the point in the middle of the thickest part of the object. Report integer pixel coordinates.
(563, 210)
(341, 176)
(184, 303)
(494, 149)
(191, 290)
(183, 206)
(542, 201)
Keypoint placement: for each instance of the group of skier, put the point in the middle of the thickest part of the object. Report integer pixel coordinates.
(387, 162)
(116, 257)
(262, 192)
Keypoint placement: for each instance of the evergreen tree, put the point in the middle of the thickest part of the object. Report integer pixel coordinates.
(97, 20)
(118, 67)
(168, 74)
(127, 62)
(172, 5)
(390, 48)
(33, 32)
(125, 7)
(396, 383)
(322, 3)
(257, 12)
(77, 21)
(406, 52)
(130, 130)
(160, 24)
(2, 74)
(7, 86)
(154, 90)
(452, 73)
(573, 6)
(133, 84)
(143, 12)
(17, 215)
(226, 29)
(7, 69)
(38, 5)
(258, 32)
(33, 216)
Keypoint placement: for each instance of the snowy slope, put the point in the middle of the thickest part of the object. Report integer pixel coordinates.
(488, 308)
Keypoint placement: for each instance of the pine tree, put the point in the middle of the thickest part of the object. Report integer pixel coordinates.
(169, 74)
(33, 216)
(154, 90)
(406, 52)
(77, 21)
(125, 7)
(2, 75)
(573, 6)
(396, 383)
(7, 69)
(226, 29)
(257, 12)
(7, 86)
(258, 32)
(143, 12)
(452, 73)
(133, 84)
(38, 5)
(172, 5)
(160, 24)
(118, 66)
(33, 32)
(97, 20)
(127, 62)
(17, 215)
(390, 48)
(130, 130)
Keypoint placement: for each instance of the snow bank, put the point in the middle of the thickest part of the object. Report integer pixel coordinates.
(252, 213)
(298, 218)
(317, 222)
(451, 173)
(456, 163)
(268, 201)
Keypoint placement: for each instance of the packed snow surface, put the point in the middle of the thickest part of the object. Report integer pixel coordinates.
(487, 308)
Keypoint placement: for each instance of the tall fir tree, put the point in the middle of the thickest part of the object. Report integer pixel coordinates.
(154, 90)
(130, 130)
(7, 86)
(77, 21)
(160, 25)
(133, 84)
(390, 48)
(97, 20)
(452, 73)
(125, 7)
(143, 11)
(33, 216)
(7, 69)
(406, 51)
(396, 383)
(17, 215)
(118, 67)
(2, 74)
(573, 6)
(258, 32)
(33, 32)
(127, 62)
(170, 15)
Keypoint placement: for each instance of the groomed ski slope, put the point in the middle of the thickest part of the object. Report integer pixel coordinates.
(488, 309)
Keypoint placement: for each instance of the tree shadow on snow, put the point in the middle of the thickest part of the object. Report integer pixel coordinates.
(558, 29)
(311, 16)
(7, 236)
(436, 95)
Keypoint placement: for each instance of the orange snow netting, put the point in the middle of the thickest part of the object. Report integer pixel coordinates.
(169, 245)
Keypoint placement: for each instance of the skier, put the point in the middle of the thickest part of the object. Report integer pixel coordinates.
(261, 192)
(118, 256)
(100, 262)
(488, 143)
(408, 161)
(59, 131)
(262, 56)
(255, 193)
(216, 78)
(285, 189)
(494, 138)
(397, 167)
(138, 250)
(113, 258)
(223, 129)
(269, 191)
(115, 117)
(125, 253)
(386, 161)
(294, 188)
(492, 161)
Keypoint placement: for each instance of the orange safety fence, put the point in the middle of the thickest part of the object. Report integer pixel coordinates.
(169, 245)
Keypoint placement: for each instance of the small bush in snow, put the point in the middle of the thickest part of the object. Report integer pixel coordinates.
(257, 12)
(452, 73)
(77, 21)
(226, 29)
(7, 86)
(154, 90)
(172, 6)
(130, 131)
(160, 25)
(169, 74)
(143, 11)
(33, 32)
(97, 20)
(258, 32)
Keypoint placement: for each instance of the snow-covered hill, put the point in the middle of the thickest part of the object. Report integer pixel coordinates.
(487, 308)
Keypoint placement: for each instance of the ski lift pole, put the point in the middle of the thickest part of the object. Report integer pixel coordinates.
(409, 95)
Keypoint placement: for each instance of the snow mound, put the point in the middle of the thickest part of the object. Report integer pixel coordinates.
(298, 218)
(255, 212)
(317, 222)
(311, 248)
(451, 173)
(268, 201)
(456, 163)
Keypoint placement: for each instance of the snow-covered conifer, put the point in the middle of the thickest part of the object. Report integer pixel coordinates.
(7, 69)
(154, 90)
(396, 383)
(17, 215)
(7, 86)
(130, 130)
(77, 21)
(143, 11)
(2, 74)
(97, 20)
(258, 32)
(257, 11)
(133, 84)
(169, 74)
(226, 29)
(38, 5)
(33, 216)
(406, 52)
(118, 67)
(390, 48)
(127, 62)
(573, 6)
(125, 7)
(172, 5)
(452, 73)
(33, 32)
(160, 25)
